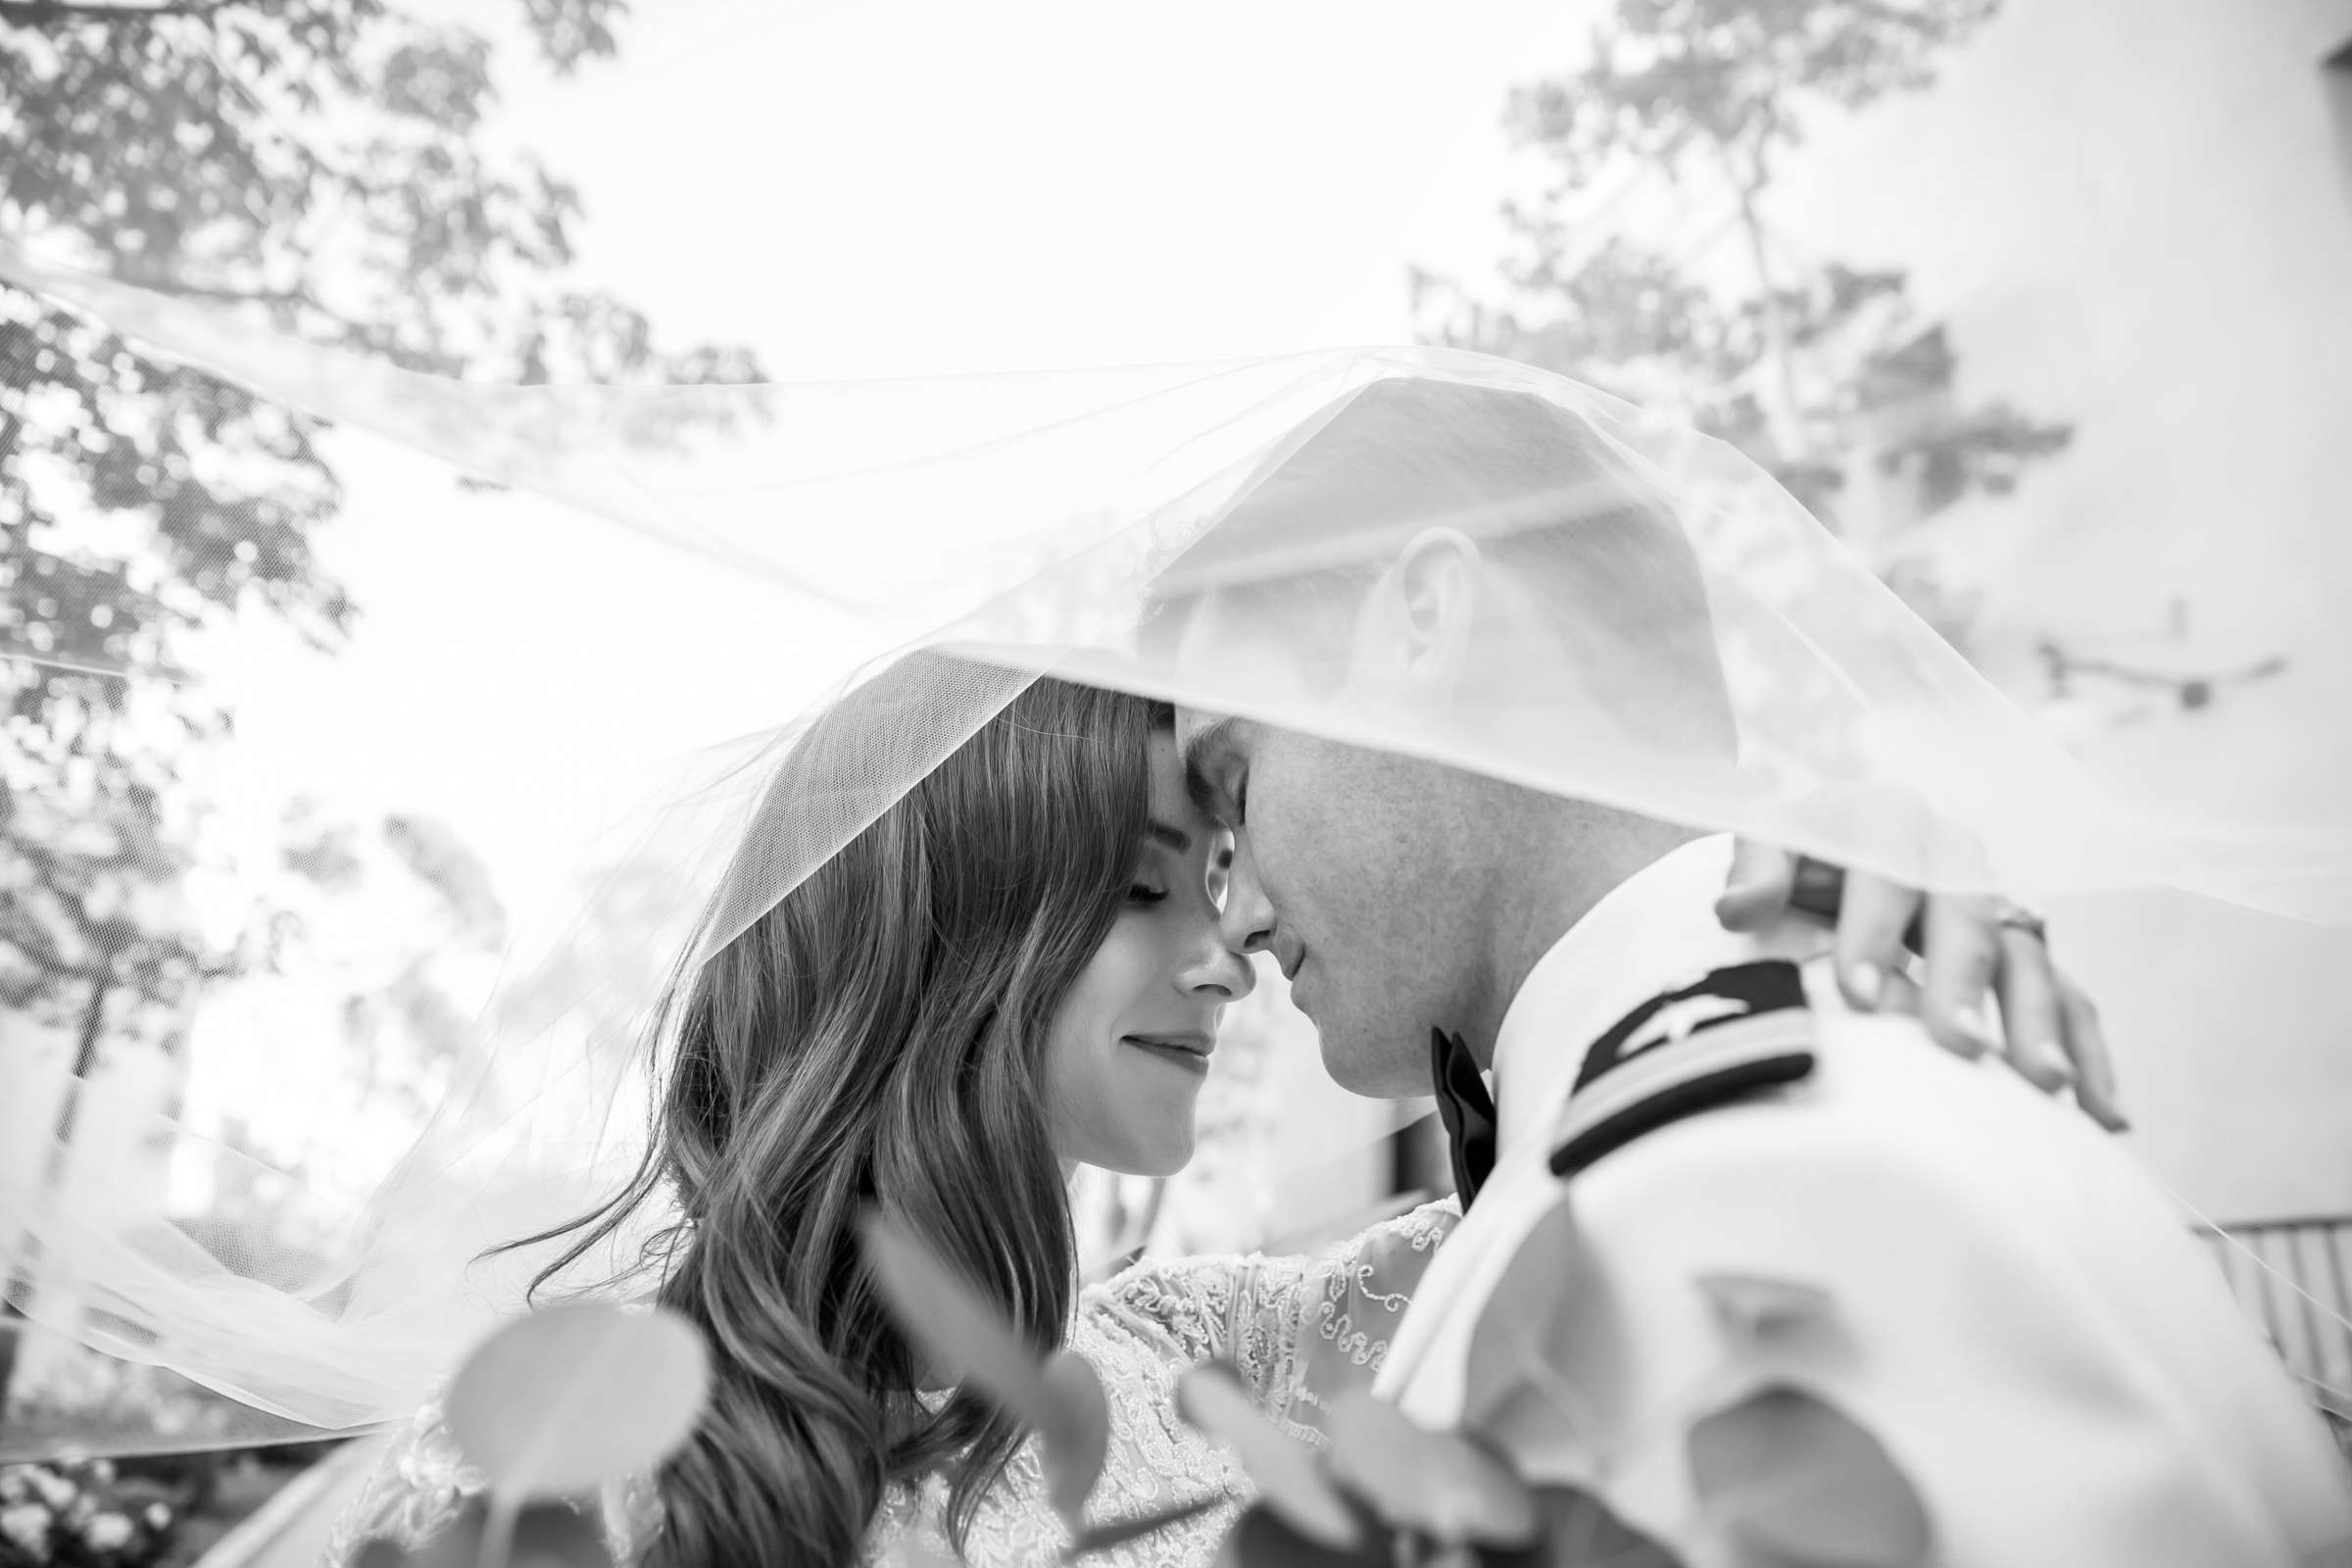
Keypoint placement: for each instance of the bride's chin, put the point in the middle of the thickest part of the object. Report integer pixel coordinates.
(1165, 1159)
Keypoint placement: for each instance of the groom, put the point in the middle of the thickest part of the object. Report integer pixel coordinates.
(1736, 1260)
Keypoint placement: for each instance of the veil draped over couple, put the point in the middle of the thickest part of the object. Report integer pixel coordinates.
(1520, 730)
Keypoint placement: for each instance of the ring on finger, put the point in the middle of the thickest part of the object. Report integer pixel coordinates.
(2017, 917)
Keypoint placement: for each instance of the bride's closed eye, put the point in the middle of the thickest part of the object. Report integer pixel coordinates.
(1145, 894)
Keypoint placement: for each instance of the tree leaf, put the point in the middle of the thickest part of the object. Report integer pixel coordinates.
(1076, 1436)
(968, 1338)
(1437, 1483)
(565, 1398)
(556, 1537)
(546, 1535)
(1755, 1306)
(1787, 1473)
(1546, 1442)
(1264, 1538)
(1512, 1351)
(917, 1553)
(1213, 1397)
(1579, 1531)
(140, 135)
(1102, 1537)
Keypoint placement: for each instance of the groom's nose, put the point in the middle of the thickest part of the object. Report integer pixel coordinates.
(1246, 922)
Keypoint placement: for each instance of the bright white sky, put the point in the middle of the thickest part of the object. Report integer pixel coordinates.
(912, 186)
(857, 191)
(884, 191)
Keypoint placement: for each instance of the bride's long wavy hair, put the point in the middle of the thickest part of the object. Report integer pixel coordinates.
(877, 1039)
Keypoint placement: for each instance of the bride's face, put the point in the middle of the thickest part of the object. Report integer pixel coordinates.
(1131, 1040)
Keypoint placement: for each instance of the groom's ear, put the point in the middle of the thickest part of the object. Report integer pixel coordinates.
(1415, 630)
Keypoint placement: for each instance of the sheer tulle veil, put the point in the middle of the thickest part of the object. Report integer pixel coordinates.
(1661, 628)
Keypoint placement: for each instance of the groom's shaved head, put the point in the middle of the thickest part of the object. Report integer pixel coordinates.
(1535, 488)
(1387, 882)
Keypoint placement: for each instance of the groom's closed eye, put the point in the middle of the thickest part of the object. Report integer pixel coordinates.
(1207, 756)
(1225, 803)
(1204, 797)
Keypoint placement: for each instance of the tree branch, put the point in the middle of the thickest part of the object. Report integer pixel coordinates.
(24, 12)
(297, 295)
(1786, 421)
(18, 931)
(2193, 691)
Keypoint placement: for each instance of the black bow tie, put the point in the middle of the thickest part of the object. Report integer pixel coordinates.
(1466, 1109)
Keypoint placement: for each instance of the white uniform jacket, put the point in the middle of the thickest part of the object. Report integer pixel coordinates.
(1968, 1271)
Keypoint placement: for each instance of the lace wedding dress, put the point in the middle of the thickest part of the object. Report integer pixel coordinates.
(1301, 1329)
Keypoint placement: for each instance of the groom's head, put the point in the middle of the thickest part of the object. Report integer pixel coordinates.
(1432, 566)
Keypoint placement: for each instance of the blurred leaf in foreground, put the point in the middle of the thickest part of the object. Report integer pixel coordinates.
(564, 1399)
(968, 1338)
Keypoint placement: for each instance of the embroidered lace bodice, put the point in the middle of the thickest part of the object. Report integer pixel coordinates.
(1301, 1329)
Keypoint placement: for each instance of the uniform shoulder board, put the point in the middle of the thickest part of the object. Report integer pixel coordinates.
(1737, 1030)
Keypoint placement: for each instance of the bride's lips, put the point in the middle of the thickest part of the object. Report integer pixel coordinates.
(1186, 1048)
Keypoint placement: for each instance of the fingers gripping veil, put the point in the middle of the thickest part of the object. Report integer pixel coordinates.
(1418, 551)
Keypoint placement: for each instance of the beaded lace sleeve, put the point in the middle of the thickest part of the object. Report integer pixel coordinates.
(417, 1486)
(1300, 1328)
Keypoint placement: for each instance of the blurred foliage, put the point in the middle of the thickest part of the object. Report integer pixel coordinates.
(1780, 1473)
(1818, 369)
(963, 1336)
(315, 163)
(320, 168)
(599, 983)
(552, 1409)
(73, 1396)
(546, 1534)
(89, 1514)
(1386, 1492)
(394, 994)
(163, 1512)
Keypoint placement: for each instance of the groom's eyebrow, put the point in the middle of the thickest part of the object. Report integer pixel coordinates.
(1199, 752)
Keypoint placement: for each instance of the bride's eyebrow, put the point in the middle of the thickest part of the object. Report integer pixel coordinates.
(1172, 836)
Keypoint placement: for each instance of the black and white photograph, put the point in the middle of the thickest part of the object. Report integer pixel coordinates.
(884, 784)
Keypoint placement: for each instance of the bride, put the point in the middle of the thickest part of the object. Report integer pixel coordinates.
(1016, 968)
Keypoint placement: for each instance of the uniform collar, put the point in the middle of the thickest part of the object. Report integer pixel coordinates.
(1656, 931)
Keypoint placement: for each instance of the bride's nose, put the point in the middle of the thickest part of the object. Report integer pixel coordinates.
(1213, 968)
